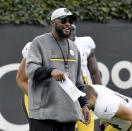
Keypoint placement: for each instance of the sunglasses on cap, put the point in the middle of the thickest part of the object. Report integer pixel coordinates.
(64, 20)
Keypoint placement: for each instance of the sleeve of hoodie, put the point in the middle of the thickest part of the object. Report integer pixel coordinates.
(34, 66)
(79, 83)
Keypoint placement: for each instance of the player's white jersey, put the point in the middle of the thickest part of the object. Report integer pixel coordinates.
(107, 104)
(25, 49)
(85, 45)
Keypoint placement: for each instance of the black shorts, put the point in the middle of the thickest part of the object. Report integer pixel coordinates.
(50, 125)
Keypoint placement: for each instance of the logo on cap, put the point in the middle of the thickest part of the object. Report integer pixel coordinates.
(66, 10)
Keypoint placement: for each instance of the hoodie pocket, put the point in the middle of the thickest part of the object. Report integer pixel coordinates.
(44, 97)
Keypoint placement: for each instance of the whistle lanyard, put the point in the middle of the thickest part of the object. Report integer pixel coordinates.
(65, 59)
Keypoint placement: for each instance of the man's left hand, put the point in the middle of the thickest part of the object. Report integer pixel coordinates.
(86, 114)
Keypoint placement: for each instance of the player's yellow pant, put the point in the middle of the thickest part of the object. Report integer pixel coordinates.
(130, 129)
(25, 106)
(26, 103)
(110, 128)
(89, 127)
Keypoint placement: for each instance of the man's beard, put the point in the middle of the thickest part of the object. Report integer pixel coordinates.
(61, 33)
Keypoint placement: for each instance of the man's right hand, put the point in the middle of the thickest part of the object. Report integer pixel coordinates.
(58, 75)
(86, 114)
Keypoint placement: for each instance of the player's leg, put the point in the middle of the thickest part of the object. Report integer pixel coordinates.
(130, 129)
(110, 128)
(89, 127)
(25, 106)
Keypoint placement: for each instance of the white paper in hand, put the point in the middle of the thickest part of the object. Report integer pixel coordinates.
(71, 89)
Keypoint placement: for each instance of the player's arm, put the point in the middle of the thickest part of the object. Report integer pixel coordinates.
(93, 68)
(21, 77)
(124, 112)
